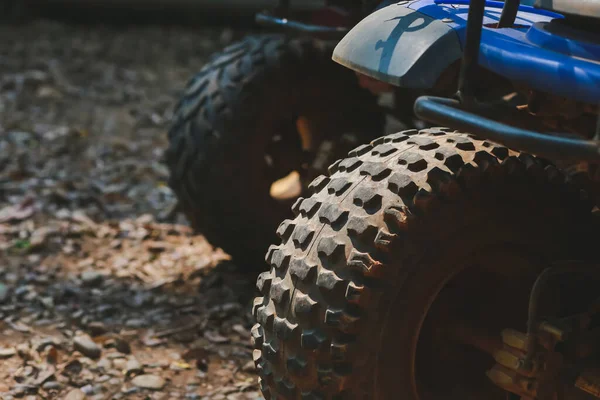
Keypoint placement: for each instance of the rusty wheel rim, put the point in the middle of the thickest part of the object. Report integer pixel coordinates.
(448, 354)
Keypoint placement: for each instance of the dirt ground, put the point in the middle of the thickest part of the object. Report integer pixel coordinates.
(105, 293)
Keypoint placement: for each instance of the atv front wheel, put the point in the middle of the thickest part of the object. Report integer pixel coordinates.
(414, 241)
(266, 108)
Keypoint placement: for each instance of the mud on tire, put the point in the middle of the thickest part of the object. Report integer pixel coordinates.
(361, 238)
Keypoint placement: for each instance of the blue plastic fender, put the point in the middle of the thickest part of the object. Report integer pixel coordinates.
(400, 46)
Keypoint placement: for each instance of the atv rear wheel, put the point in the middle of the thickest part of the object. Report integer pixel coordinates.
(412, 243)
(263, 109)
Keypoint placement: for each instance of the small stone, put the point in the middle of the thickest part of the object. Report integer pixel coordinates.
(120, 363)
(96, 328)
(136, 323)
(52, 385)
(114, 382)
(133, 366)
(128, 391)
(73, 368)
(88, 389)
(122, 346)
(7, 353)
(21, 390)
(87, 346)
(149, 382)
(91, 278)
(75, 394)
(47, 302)
(105, 364)
(46, 376)
(63, 213)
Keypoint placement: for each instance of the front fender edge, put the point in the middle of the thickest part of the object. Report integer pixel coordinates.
(400, 46)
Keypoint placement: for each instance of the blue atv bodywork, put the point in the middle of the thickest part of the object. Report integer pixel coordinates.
(410, 44)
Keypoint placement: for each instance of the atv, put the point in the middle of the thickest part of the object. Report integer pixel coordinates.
(263, 118)
(454, 262)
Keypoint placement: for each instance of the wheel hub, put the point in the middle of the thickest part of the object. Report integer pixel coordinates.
(556, 359)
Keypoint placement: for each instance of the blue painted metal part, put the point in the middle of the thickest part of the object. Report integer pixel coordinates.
(571, 42)
(500, 4)
(528, 53)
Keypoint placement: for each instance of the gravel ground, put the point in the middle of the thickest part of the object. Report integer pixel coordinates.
(104, 292)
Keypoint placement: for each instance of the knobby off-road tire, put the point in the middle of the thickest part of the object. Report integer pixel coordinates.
(231, 111)
(377, 239)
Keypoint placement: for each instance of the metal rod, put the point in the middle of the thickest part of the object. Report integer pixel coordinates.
(447, 112)
(467, 334)
(509, 13)
(329, 31)
(469, 66)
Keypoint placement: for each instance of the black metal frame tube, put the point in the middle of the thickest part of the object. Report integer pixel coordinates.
(469, 66)
(333, 32)
(448, 112)
(597, 135)
(509, 13)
